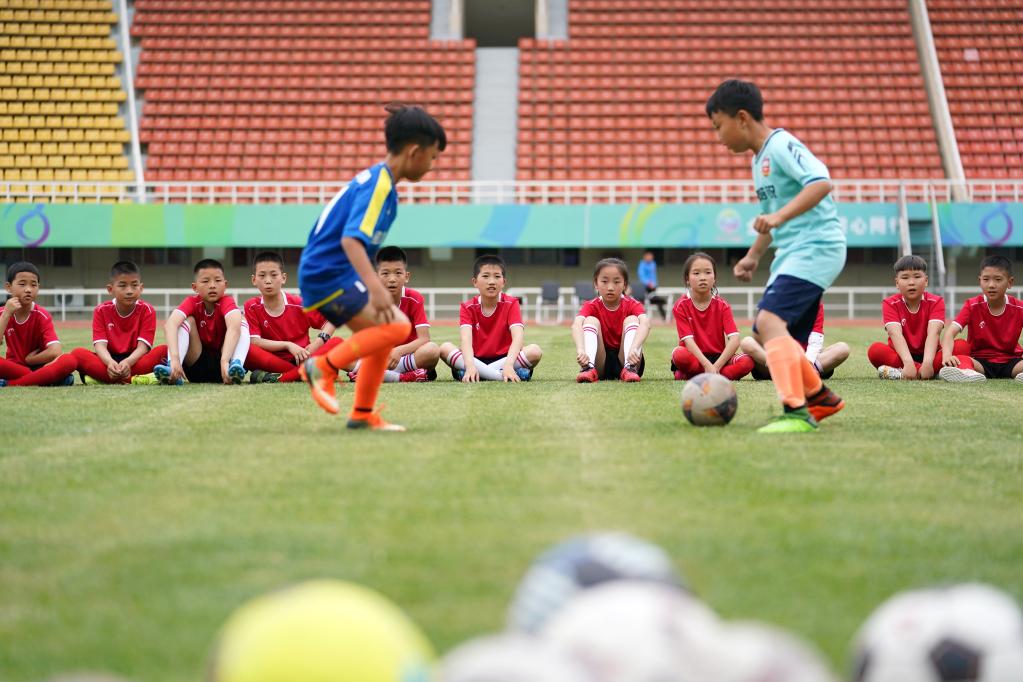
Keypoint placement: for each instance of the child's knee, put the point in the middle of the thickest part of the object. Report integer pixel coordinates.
(428, 352)
(841, 351)
(533, 353)
(630, 320)
(446, 349)
(592, 322)
(748, 345)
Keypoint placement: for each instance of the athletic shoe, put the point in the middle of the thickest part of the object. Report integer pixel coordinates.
(587, 376)
(431, 374)
(374, 422)
(3, 382)
(258, 376)
(678, 375)
(628, 375)
(321, 383)
(1019, 377)
(457, 374)
(69, 380)
(886, 372)
(524, 373)
(416, 376)
(236, 372)
(796, 421)
(163, 373)
(88, 380)
(960, 375)
(144, 380)
(352, 376)
(824, 403)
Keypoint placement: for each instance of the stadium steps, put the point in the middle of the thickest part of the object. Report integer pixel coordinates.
(495, 120)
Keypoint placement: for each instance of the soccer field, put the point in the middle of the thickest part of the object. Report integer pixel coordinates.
(134, 519)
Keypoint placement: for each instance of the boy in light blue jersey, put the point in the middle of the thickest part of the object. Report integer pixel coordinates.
(336, 274)
(799, 215)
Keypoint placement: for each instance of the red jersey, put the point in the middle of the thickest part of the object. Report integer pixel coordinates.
(30, 336)
(994, 338)
(414, 307)
(491, 334)
(122, 333)
(611, 321)
(914, 325)
(292, 325)
(708, 328)
(212, 326)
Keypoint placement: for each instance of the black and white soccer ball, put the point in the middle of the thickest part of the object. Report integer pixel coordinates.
(747, 651)
(510, 657)
(962, 633)
(709, 400)
(580, 563)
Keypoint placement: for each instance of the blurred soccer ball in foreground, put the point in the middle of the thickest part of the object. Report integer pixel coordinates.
(709, 400)
(511, 657)
(580, 563)
(962, 633)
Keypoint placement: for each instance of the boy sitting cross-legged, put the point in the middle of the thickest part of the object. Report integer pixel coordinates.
(278, 326)
(415, 360)
(993, 322)
(492, 332)
(123, 332)
(33, 349)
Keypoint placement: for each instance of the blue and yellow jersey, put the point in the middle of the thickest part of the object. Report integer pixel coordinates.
(365, 210)
(810, 246)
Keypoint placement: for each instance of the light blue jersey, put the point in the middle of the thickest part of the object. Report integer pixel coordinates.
(810, 246)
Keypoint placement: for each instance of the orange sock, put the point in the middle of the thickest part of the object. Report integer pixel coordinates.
(811, 379)
(784, 360)
(367, 386)
(363, 344)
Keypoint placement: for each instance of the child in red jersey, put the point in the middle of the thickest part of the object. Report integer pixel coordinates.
(993, 323)
(414, 360)
(610, 330)
(279, 328)
(824, 359)
(707, 335)
(913, 318)
(123, 332)
(492, 332)
(33, 349)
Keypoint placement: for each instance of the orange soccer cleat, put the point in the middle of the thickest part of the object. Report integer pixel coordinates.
(321, 383)
(372, 421)
(824, 403)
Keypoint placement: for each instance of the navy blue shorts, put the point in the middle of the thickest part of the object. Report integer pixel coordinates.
(341, 305)
(794, 300)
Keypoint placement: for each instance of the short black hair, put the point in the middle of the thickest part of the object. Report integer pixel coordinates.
(488, 259)
(123, 267)
(412, 125)
(20, 267)
(391, 254)
(207, 264)
(1000, 262)
(618, 263)
(268, 257)
(910, 262)
(735, 95)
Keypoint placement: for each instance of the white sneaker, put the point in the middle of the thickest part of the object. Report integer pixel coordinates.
(1019, 377)
(960, 375)
(886, 372)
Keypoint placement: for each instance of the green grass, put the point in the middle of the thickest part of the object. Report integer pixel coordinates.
(134, 519)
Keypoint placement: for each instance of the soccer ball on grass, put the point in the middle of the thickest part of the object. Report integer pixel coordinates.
(709, 400)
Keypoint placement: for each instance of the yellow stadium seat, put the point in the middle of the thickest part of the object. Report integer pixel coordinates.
(93, 135)
(7, 161)
(55, 122)
(46, 174)
(5, 148)
(62, 108)
(81, 148)
(11, 173)
(8, 134)
(37, 121)
(62, 174)
(78, 175)
(94, 175)
(48, 148)
(33, 148)
(6, 122)
(55, 162)
(65, 148)
(26, 135)
(20, 122)
(22, 161)
(112, 176)
(72, 162)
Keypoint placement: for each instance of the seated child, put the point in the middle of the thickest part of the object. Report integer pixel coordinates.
(993, 322)
(123, 331)
(707, 335)
(610, 330)
(913, 318)
(33, 349)
(415, 360)
(824, 360)
(492, 332)
(278, 327)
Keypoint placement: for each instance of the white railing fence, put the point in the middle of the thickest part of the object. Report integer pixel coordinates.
(442, 302)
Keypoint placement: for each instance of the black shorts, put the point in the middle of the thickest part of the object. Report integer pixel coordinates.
(998, 370)
(794, 300)
(613, 366)
(205, 369)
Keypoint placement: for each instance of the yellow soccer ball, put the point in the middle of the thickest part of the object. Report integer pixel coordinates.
(321, 631)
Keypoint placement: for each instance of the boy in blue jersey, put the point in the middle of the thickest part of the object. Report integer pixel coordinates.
(799, 216)
(336, 273)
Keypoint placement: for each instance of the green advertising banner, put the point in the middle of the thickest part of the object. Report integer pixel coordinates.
(505, 225)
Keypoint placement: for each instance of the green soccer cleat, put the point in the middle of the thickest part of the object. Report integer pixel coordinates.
(145, 380)
(259, 376)
(796, 421)
(89, 381)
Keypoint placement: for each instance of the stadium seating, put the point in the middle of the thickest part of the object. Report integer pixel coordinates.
(60, 95)
(980, 48)
(630, 86)
(292, 90)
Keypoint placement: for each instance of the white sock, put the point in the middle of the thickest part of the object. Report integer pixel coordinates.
(355, 369)
(491, 372)
(628, 337)
(590, 343)
(521, 361)
(241, 351)
(183, 339)
(391, 376)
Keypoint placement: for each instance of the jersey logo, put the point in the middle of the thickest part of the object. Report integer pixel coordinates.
(797, 154)
(110, 325)
(202, 323)
(363, 177)
(266, 323)
(981, 325)
(360, 286)
(765, 167)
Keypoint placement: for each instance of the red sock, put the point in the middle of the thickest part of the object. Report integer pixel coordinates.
(90, 364)
(882, 354)
(685, 362)
(150, 360)
(50, 374)
(785, 361)
(738, 367)
(11, 370)
(266, 361)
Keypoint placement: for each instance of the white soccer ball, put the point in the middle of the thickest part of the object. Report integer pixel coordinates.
(582, 562)
(709, 400)
(508, 658)
(634, 632)
(961, 633)
(755, 652)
